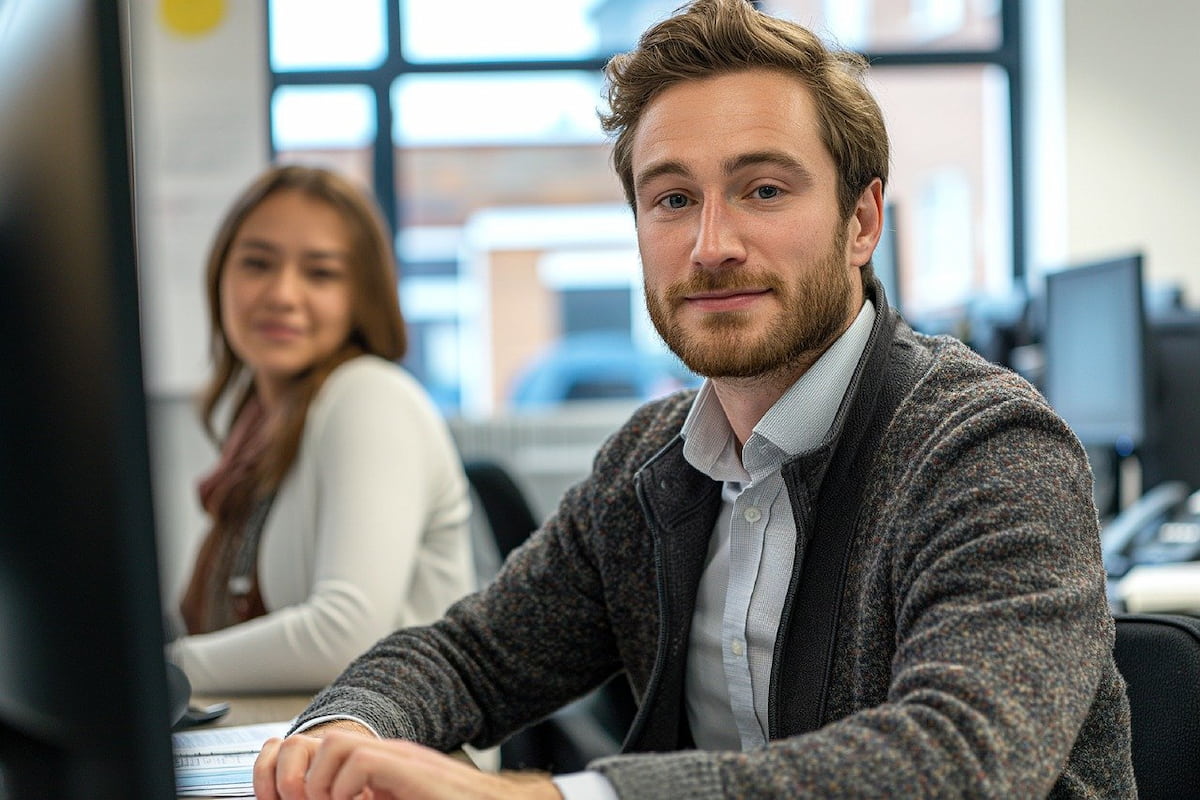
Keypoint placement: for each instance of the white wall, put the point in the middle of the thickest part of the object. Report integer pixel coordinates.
(200, 131)
(1132, 122)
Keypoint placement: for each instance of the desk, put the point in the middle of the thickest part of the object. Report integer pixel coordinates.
(252, 709)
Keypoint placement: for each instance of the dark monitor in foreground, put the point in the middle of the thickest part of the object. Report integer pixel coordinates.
(83, 687)
(1095, 352)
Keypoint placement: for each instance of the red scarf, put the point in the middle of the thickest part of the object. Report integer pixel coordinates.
(227, 496)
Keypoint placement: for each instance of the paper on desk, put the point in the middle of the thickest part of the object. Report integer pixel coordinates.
(219, 762)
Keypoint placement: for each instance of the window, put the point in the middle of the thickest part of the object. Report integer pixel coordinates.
(911, 26)
(477, 130)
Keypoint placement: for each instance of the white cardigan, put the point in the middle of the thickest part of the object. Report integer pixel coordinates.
(368, 533)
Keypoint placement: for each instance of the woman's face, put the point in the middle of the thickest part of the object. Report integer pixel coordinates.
(286, 288)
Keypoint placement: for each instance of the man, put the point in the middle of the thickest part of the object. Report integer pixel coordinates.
(859, 562)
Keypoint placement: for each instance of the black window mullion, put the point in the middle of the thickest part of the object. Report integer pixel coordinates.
(1010, 26)
(577, 64)
(888, 58)
(385, 175)
(384, 169)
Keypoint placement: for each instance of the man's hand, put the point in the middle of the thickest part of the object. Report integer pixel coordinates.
(276, 776)
(348, 766)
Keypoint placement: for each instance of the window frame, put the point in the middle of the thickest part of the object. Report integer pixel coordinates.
(1006, 55)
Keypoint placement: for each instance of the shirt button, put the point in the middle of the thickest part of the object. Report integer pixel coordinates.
(752, 514)
(736, 648)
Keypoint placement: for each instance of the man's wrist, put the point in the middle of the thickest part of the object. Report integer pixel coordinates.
(348, 725)
(325, 719)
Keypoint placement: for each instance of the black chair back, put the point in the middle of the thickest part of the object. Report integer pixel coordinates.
(504, 504)
(1159, 657)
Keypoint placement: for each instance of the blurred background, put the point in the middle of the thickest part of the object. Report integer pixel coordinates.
(1028, 135)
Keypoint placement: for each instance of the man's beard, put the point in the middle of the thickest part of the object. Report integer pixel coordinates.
(815, 311)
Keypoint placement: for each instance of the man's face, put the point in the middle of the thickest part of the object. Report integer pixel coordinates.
(745, 257)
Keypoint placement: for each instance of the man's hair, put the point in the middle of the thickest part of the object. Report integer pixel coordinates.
(716, 37)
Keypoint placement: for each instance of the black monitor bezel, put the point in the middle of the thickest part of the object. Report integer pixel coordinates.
(84, 708)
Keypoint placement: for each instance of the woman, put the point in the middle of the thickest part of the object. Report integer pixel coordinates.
(339, 507)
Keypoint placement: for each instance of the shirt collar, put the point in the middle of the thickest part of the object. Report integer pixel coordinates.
(797, 422)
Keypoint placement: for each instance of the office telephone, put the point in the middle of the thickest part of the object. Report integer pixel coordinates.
(1161, 527)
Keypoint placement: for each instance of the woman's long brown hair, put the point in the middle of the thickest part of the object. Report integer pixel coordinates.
(377, 326)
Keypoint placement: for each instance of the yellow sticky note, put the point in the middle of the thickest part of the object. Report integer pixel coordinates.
(191, 17)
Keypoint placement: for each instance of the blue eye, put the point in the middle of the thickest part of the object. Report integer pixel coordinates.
(767, 192)
(675, 201)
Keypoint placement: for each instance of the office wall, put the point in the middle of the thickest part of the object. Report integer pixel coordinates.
(200, 132)
(1132, 116)
(200, 116)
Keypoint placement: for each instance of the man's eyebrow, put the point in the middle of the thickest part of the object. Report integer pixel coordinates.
(729, 166)
(766, 157)
(670, 167)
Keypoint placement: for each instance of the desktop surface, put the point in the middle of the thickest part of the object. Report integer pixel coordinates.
(253, 709)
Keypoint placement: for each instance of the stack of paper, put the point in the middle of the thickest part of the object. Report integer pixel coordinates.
(219, 762)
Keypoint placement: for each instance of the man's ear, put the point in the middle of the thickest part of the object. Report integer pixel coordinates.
(866, 224)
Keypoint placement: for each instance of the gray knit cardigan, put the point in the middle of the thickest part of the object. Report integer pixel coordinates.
(971, 655)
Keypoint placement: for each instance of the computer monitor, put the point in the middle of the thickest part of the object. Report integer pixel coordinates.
(84, 710)
(1171, 451)
(1095, 351)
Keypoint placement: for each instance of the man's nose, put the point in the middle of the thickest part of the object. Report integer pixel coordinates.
(718, 240)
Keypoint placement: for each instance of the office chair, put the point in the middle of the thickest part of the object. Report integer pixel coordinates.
(1159, 657)
(504, 505)
(592, 726)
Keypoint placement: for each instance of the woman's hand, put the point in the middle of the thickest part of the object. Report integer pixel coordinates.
(349, 766)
